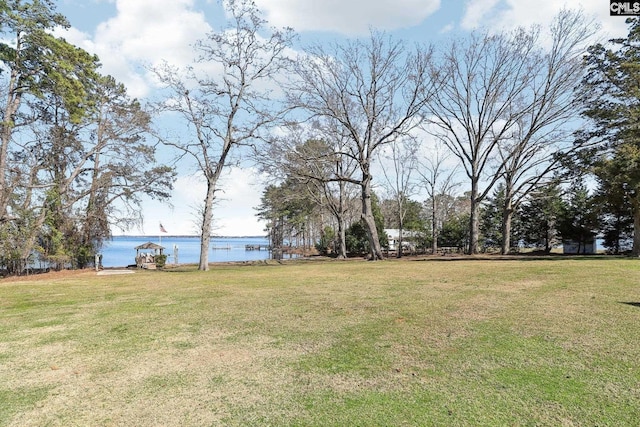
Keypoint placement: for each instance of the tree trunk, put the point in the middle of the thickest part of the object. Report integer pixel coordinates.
(434, 229)
(342, 238)
(14, 99)
(207, 218)
(474, 219)
(548, 237)
(340, 213)
(92, 199)
(369, 221)
(507, 216)
(400, 239)
(474, 225)
(636, 229)
(31, 239)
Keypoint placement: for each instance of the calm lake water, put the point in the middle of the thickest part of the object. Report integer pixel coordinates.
(121, 252)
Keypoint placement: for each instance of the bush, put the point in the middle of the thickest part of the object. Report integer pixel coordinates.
(356, 239)
(324, 246)
(160, 260)
(84, 256)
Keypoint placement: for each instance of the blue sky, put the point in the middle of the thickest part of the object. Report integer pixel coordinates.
(128, 34)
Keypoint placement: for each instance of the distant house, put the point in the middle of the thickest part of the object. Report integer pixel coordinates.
(575, 247)
(393, 235)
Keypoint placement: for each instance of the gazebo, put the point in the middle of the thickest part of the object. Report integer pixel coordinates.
(146, 255)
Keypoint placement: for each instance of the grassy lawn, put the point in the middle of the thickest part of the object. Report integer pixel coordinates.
(465, 343)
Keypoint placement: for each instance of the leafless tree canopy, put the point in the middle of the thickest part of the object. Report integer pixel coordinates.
(440, 184)
(399, 166)
(374, 90)
(502, 102)
(225, 99)
(532, 152)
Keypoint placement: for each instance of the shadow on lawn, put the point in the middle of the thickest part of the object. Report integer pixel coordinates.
(633, 304)
(516, 257)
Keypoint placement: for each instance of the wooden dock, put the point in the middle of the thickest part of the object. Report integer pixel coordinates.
(256, 247)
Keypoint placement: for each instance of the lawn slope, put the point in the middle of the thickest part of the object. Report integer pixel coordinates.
(399, 342)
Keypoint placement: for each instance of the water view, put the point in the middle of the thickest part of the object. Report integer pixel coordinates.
(120, 252)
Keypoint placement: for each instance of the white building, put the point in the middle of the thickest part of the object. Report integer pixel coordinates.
(393, 236)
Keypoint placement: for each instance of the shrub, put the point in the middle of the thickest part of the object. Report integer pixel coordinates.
(160, 260)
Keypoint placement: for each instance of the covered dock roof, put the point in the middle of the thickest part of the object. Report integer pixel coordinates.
(149, 245)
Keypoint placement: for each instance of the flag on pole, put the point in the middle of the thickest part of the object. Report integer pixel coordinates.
(162, 229)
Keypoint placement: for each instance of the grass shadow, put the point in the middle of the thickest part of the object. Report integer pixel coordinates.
(633, 304)
(518, 257)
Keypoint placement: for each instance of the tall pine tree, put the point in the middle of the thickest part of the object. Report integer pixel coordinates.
(613, 103)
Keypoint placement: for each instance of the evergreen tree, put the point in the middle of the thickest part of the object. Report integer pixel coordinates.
(492, 226)
(578, 222)
(614, 203)
(36, 64)
(491, 219)
(357, 236)
(290, 214)
(612, 96)
(455, 232)
(539, 217)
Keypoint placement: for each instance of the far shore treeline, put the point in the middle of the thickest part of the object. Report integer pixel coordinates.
(489, 142)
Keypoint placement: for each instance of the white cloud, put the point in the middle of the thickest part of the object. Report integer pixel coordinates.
(512, 13)
(476, 12)
(353, 17)
(448, 28)
(143, 32)
(234, 213)
(151, 30)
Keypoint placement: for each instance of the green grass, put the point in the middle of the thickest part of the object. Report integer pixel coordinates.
(400, 342)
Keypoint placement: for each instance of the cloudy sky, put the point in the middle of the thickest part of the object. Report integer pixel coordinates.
(128, 34)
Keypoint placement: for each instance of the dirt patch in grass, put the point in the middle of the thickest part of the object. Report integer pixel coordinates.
(164, 386)
(48, 277)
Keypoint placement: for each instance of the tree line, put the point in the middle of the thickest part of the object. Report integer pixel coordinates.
(518, 115)
(524, 117)
(74, 161)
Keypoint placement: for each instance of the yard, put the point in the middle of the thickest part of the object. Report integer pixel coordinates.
(462, 342)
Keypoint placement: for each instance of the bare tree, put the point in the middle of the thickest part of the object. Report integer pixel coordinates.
(440, 185)
(323, 174)
(375, 91)
(313, 157)
(483, 79)
(399, 165)
(233, 105)
(530, 156)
